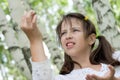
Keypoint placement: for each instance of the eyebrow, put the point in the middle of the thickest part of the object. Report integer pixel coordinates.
(76, 27)
(71, 28)
(63, 30)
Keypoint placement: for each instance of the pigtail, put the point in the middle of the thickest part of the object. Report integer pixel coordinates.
(67, 66)
(103, 53)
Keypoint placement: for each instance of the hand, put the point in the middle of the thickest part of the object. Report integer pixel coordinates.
(109, 75)
(29, 26)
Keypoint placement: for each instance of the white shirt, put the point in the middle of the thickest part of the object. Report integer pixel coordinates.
(43, 71)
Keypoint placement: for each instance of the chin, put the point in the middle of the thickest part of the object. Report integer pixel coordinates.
(71, 53)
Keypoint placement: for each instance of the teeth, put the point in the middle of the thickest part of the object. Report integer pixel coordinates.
(70, 44)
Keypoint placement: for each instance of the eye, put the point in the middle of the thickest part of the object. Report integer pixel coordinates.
(74, 30)
(63, 33)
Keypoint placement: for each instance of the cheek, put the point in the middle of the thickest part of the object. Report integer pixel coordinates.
(62, 41)
(81, 41)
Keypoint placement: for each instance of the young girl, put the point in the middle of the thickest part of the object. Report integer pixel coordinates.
(77, 36)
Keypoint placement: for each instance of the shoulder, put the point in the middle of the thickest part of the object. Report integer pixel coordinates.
(60, 77)
(116, 55)
(104, 67)
(71, 76)
(117, 71)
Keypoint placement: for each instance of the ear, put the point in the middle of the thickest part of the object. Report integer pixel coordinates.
(91, 39)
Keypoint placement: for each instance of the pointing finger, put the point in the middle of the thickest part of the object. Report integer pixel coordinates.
(34, 19)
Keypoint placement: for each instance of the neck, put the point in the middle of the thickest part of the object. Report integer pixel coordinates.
(82, 59)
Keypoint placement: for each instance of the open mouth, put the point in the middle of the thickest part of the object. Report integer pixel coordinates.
(70, 45)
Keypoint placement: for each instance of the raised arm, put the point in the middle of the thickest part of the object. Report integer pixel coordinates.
(41, 69)
(29, 26)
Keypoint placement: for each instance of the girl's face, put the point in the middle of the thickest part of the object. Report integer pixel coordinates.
(73, 37)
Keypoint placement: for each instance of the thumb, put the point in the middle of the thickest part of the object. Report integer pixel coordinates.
(111, 71)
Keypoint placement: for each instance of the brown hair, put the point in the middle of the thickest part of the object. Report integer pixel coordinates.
(102, 54)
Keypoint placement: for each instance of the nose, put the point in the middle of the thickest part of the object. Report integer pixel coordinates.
(69, 36)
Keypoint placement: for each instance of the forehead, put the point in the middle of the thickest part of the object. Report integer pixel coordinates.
(71, 22)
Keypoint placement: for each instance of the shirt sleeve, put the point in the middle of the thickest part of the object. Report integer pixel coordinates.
(42, 70)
